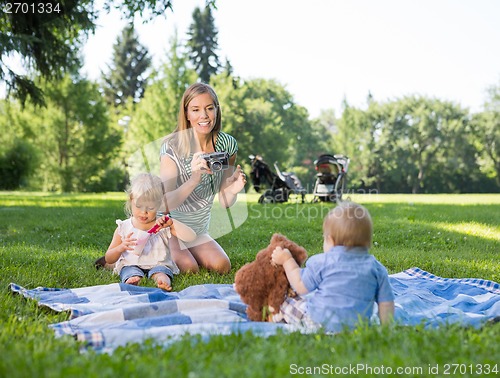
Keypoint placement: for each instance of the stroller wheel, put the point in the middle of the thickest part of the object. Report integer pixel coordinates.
(267, 198)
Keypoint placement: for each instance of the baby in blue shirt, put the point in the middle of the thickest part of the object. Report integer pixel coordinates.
(343, 283)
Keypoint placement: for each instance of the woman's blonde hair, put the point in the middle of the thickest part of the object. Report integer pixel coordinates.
(146, 187)
(349, 224)
(183, 137)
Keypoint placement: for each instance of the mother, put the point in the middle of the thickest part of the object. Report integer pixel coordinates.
(190, 185)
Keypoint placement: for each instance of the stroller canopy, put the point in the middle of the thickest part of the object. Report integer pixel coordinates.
(331, 163)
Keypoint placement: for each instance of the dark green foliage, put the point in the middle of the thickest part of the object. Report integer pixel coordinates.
(126, 79)
(79, 142)
(148, 9)
(413, 144)
(486, 127)
(16, 165)
(156, 114)
(265, 120)
(49, 44)
(203, 45)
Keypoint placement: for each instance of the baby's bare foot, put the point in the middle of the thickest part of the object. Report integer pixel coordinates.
(134, 280)
(163, 281)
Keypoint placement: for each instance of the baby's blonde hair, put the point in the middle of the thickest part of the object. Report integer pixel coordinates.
(144, 186)
(349, 224)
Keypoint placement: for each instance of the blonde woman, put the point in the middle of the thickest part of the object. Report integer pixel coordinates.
(192, 180)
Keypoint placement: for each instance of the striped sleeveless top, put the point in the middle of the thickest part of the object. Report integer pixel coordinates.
(195, 210)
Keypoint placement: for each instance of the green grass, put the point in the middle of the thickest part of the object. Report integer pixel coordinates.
(52, 240)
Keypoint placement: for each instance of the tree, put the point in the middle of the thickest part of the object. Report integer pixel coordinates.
(156, 115)
(421, 144)
(487, 129)
(353, 136)
(48, 44)
(19, 157)
(263, 117)
(203, 45)
(130, 61)
(412, 144)
(17, 163)
(74, 136)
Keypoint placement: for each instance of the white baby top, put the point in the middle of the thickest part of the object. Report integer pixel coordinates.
(155, 252)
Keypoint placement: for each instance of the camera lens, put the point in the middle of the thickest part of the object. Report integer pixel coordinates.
(216, 166)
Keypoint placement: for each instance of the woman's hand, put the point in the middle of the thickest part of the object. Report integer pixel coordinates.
(236, 182)
(199, 165)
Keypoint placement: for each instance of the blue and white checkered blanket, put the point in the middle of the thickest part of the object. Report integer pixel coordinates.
(107, 316)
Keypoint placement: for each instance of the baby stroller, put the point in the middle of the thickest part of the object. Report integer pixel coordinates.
(331, 178)
(282, 184)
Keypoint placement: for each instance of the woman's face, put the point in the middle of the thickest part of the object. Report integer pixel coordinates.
(201, 113)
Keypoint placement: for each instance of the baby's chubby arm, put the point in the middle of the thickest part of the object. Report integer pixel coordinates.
(282, 256)
(118, 246)
(386, 312)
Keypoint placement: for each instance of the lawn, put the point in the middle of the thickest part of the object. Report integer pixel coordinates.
(52, 240)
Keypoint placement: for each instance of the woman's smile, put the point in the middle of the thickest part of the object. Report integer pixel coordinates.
(205, 124)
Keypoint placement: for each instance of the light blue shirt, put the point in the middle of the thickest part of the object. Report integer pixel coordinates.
(344, 283)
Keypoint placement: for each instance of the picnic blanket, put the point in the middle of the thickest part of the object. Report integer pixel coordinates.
(105, 317)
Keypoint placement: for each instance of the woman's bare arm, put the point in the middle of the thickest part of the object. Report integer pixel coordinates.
(174, 195)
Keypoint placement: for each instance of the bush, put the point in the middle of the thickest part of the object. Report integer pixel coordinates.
(114, 179)
(16, 165)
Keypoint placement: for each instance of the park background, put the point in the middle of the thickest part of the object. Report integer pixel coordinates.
(97, 113)
(66, 131)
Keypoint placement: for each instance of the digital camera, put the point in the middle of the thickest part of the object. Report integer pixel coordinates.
(217, 161)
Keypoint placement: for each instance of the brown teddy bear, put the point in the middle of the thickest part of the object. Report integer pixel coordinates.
(264, 286)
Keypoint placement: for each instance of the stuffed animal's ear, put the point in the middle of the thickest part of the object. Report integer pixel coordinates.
(298, 252)
(277, 239)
